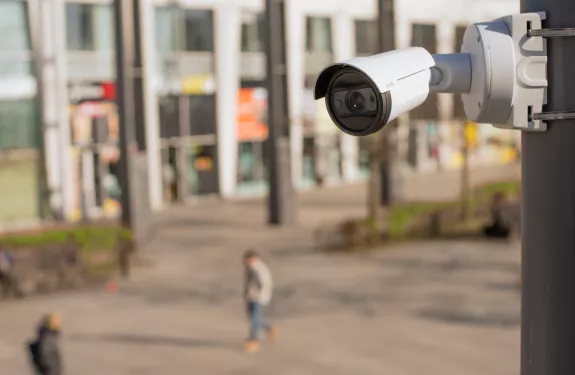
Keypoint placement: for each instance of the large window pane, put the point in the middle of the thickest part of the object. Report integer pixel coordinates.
(90, 27)
(199, 30)
(13, 26)
(202, 114)
(170, 116)
(19, 187)
(19, 125)
(80, 27)
(318, 34)
(252, 33)
(166, 29)
(366, 37)
(104, 27)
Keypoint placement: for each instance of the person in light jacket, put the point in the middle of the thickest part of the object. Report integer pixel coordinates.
(258, 288)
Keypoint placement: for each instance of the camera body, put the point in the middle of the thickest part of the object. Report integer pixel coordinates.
(365, 93)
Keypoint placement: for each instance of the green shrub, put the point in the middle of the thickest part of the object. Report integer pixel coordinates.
(402, 215)
(90, 238)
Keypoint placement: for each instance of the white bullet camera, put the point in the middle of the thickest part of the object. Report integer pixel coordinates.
(365, 93)
(500, 73)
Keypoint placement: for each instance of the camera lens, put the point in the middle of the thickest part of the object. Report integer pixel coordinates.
(355, 101)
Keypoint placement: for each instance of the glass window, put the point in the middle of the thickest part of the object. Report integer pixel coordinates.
(202, 114)
(89, 27)
(318, 34)
(14, 34)
(104, 27)
(199, 30)
(366, 42)
(166, 29)
(169, 116)
(80, 27)
(253, 33)
(19, 125)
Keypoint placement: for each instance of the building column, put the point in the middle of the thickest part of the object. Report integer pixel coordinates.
(227, 57)
(295, 40)
(63, 107)
(49, 38)
(344, 49)
(151, 112)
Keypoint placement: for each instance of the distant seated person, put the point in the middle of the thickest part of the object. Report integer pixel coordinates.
(498, 228)
(7, 278)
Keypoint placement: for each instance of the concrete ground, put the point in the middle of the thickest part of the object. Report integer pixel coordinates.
(440, 308)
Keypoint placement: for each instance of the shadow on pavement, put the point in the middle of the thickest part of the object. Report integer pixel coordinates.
(152, 340)
(497, 319)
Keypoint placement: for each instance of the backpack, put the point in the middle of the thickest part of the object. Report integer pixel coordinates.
(34, 353)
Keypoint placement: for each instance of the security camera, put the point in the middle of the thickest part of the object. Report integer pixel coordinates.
(500, 73)
(365, 93)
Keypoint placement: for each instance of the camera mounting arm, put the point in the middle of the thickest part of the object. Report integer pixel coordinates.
(451, 73)
(501, 72)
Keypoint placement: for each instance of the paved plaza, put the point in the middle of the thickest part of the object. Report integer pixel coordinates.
(436, 308)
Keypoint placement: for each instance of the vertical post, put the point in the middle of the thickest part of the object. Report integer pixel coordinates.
(548, 213)
(385, 147)
(465, 181)
(130, 99)
(41, 21)
(125, 98)
(281, 202)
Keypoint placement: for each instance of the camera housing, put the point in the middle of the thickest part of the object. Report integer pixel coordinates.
(365, 93)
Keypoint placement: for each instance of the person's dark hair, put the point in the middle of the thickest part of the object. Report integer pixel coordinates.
(250, 254)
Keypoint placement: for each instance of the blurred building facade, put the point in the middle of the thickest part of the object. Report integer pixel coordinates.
(205, 97)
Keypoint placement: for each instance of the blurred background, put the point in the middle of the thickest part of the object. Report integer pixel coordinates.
(368, 281)
(206, 102)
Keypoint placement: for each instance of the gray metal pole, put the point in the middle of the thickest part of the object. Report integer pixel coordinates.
(281, 202)
(125, 99)
(386, 38)
(548, 213)
(133, 174)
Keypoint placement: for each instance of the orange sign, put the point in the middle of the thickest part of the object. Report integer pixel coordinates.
(252, 114)
(203, 164)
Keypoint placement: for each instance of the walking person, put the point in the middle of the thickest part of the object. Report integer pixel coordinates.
(258, 289)
(45, 349)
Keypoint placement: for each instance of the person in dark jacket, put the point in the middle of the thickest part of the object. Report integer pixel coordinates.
(45, 350)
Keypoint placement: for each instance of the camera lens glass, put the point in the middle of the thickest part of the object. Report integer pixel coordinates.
(355, 101)
(356, 104)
